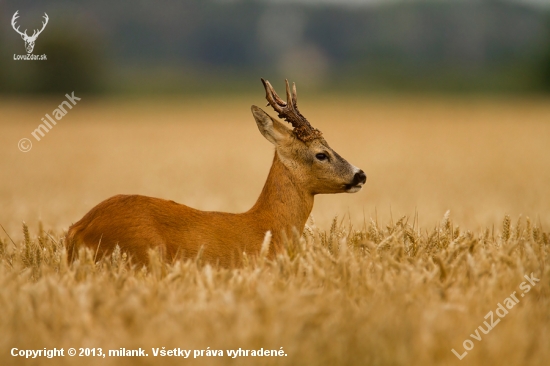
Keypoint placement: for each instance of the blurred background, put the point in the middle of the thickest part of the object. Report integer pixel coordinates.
(355, 46)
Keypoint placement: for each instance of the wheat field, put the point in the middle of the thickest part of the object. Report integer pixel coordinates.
(454, 215)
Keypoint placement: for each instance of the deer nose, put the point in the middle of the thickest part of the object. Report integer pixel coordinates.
(359, 178)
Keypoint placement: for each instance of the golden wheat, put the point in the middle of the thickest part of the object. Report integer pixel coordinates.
(376, 296)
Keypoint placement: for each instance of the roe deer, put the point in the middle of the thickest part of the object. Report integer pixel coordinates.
(304, 165)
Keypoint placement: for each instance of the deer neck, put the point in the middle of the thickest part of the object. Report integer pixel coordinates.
(284, 204)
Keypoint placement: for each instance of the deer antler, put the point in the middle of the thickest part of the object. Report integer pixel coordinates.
(13, 19)
(289, 111)
(35, 33)
(43, 26)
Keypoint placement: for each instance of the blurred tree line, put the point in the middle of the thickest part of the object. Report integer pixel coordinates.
(208, 46)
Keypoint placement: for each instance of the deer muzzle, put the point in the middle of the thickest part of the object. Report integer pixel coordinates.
(356, 184)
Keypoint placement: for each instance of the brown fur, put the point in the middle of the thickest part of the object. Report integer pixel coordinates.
(139, 223)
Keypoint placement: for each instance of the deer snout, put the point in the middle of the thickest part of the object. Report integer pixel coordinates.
(359, 178)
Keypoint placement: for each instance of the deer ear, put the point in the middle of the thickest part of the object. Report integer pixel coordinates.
(273, 130)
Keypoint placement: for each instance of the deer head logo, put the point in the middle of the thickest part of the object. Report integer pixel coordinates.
(29, 40)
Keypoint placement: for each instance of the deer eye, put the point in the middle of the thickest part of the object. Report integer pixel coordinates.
(321, 156)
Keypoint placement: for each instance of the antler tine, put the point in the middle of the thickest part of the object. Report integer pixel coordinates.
(272, 97)
(13, 21)
(289, 103)
(46, 18)
(293, 101)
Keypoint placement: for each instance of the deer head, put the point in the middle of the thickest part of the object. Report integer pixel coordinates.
(29, 40)
(305, 153)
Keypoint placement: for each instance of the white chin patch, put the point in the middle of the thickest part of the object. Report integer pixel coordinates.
(355, 189)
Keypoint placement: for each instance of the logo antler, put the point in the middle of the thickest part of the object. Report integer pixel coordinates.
(29, 40)
(15, 16)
